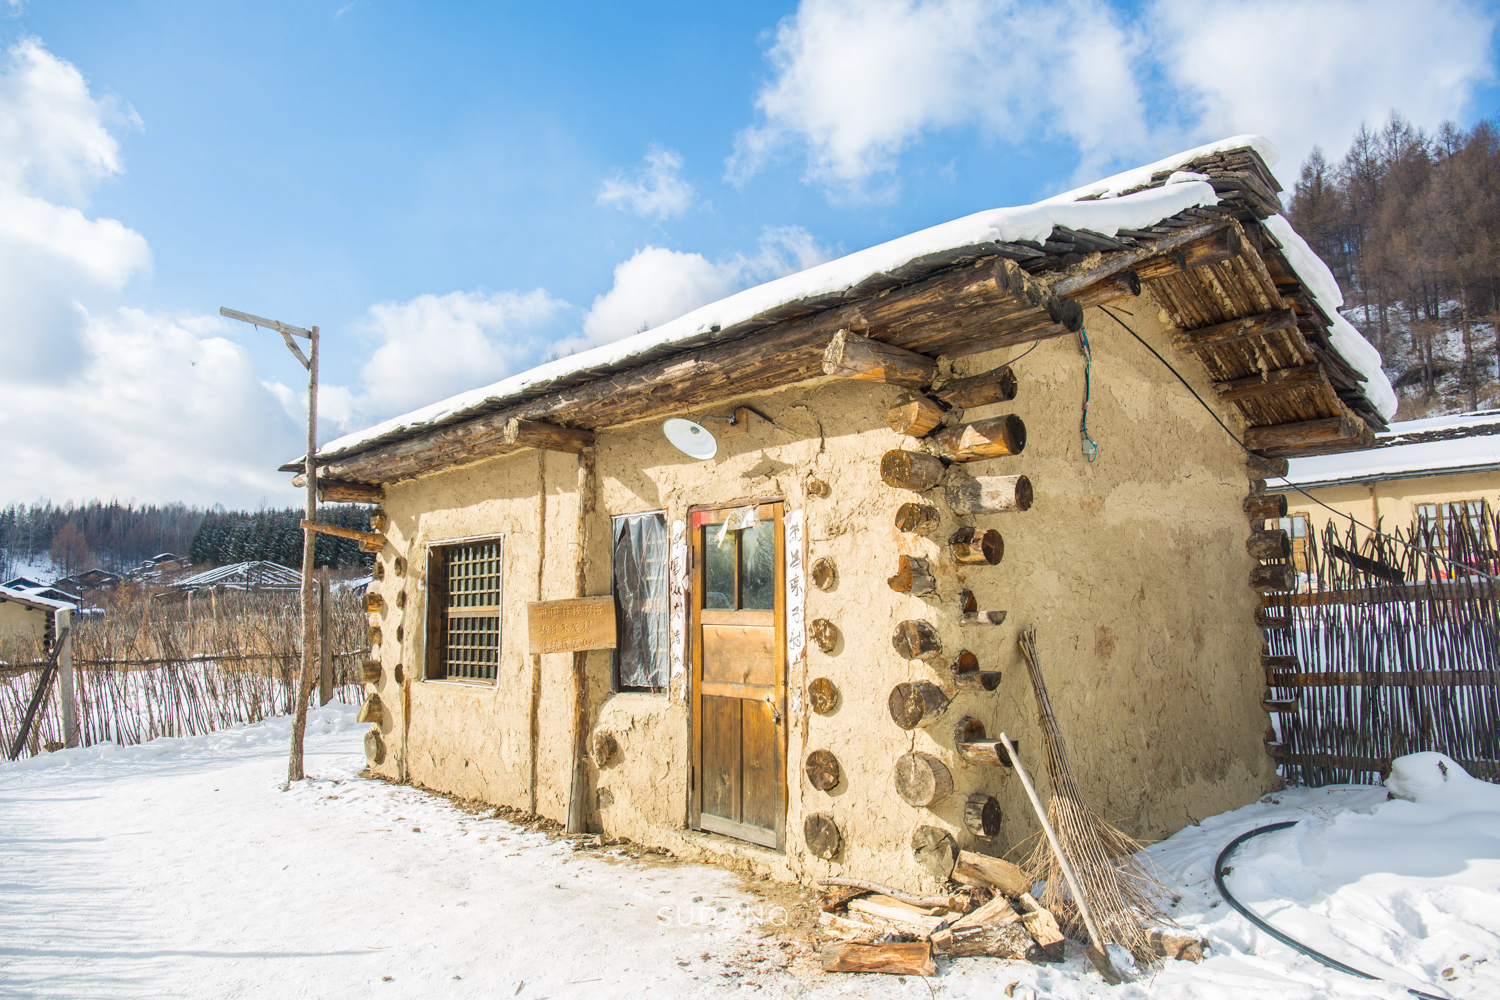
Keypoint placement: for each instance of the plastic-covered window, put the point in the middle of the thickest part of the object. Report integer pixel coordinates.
(642, 601)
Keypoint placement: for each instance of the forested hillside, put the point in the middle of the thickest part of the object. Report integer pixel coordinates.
(115, 536)
(1410, 224)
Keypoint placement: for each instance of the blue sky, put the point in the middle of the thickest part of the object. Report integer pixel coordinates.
(451, 191)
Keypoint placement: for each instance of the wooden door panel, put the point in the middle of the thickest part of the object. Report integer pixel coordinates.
(740, 655)
(721, 756)
(760, 761)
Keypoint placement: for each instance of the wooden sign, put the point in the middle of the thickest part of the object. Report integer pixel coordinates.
(573, 624)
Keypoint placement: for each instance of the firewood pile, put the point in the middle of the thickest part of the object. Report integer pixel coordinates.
(868, 927)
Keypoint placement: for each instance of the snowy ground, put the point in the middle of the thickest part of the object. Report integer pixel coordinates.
(179, 869)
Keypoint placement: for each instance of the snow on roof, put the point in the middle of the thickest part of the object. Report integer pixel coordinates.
(257, 574)
(1468, 442)
(1101, 207)
(36, 600)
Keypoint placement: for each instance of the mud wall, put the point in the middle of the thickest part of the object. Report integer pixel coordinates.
(1132, 569)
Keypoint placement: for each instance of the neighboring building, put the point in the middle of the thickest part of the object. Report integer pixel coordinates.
(90, 585)
(894, 412)
(255, 575)
(1430, 473)
(28, 618)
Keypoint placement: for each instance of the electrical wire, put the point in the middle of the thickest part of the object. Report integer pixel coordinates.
(1220, 871)
(1236, 439)
(1089, 445)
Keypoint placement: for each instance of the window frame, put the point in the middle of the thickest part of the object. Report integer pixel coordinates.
(436, 610)
(616, 683)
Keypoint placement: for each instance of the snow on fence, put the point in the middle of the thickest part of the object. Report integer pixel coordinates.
(1389, 645)
(148, 669)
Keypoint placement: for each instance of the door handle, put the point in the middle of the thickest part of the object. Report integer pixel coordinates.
(775, 712)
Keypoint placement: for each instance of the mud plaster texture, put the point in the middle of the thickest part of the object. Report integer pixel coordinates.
(1132, 569)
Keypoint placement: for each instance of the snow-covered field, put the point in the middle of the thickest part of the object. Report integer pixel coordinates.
(180, 869)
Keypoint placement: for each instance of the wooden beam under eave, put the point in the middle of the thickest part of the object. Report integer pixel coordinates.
(1273, 383)
(343, 490)
(850, 355)
(546, 437)
(1324, 436)
(1276, 321)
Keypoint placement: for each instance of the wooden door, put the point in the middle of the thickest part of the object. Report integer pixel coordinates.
(739, 677)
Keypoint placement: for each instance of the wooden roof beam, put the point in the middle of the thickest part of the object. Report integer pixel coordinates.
(1273, 383)
(1276, 321)
(1324, 436)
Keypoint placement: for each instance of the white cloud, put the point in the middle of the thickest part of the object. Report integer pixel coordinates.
(1316, 70)
(656, 191)
(436, 345)
(856, 83)
(656, 285)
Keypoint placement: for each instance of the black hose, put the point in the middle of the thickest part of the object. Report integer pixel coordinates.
(1220, 871)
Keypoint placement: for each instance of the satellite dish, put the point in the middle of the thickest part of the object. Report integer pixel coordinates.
(691, 439)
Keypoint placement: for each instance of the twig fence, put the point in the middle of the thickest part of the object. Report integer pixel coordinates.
(1384, 649)
(148, 669)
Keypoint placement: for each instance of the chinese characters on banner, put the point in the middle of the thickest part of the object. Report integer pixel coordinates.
(796, 634)
(678, 593)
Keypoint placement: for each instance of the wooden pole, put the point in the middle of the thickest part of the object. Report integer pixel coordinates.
(1095, 937)
(294, 771)
(325, 645)
(65, 688)
(577, 814)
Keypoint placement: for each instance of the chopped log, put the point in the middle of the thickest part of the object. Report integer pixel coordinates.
(897, 958)
(982, 815)
(990, 753)
(1277, 321)
(922, 780)
(917, 517)
(983, 618)
(345, 491)
(1183, 947)
(374, 604)
(916, 703)
(1042, 926)
(977, 546)
(1273, 578)
(934, 851)
(835, 898)
(998, 386)
(968, 729)
(373, 638)
(1265, 506)
(824, 633)
(1216, 248)
(1325, 435)
(374, 747)
(960, 903)
(995, 929)
(984, 680)
(906, 906)
(850, 355)
(822, 836)
(1272, 383)
(822, 769)
(369, 671)
(1269, 544)
(911, 470)
(914, 576)
(1279, 706)
(1262, 468)
(992, 438)
(372, 710)
(1268, 619)
(914, 416)
(988, 494)
(825, 575)
(822, 695)
(546, 437)
(996, 873)
(379, 522)
(905, 917)
(916, 640)
(606, 747)
(849, 930)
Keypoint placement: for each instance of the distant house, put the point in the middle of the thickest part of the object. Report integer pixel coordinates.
(1432, 473)
(22, 583)
(258, 575)
(94, 579)
(28, 618)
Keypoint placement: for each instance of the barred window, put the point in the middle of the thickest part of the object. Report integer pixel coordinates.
(464, 611)
(642, 602)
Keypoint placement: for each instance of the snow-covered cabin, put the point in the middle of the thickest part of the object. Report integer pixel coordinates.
(730, 653)
(1431, 472)
(28, 620)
